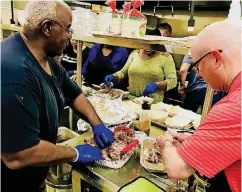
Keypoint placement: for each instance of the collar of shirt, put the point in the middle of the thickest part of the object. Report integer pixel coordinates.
(236, 84)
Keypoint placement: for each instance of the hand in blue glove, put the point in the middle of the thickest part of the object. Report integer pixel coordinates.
(149, 89)
(108, 79)
(103, 136)
(87, 154)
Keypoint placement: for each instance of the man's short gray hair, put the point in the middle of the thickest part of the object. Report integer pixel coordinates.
(39, 10)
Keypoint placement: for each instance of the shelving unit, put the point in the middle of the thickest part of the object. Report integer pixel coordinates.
(171, 45)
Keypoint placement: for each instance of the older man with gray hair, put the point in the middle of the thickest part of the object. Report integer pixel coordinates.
(216, 145)
(34, 91)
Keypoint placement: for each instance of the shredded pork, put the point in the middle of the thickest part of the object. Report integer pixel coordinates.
(113, 152)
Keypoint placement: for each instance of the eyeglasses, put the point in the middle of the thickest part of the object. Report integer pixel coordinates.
(69, 30)
(195, 64)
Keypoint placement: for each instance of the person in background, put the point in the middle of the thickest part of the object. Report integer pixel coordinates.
(69, 57)
(216, 144)
(103, 60)
(194, 94)
(165, 29)
(150, 73)
(34, 90)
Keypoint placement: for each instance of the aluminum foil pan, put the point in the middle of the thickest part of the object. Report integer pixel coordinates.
(120, 163)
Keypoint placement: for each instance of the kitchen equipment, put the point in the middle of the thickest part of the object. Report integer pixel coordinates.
(151, 167)
(145, 118)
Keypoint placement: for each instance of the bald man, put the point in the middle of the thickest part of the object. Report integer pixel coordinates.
(34, 91)
(216, 145)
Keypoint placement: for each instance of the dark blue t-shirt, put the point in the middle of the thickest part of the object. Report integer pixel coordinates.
(31, 103)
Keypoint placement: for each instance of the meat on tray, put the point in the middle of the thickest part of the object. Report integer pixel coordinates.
(153, 155)
(113, 93)
(113, 152)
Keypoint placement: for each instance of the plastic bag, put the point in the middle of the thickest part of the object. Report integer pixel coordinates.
(112, 4)
(136, 3)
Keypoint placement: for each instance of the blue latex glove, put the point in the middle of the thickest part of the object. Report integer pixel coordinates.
(103, 136)
(108, 79)
(87, 154)
(149, 89)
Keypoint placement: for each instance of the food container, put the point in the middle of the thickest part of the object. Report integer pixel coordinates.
(104, 22)
(159, 116)
(151, 167)
(65, 134)
(141, 100)
(116, 24)
(134, 27)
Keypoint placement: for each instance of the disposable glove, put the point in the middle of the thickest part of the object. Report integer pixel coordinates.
(149, 89)
(103, 136)
(108, 79)
(87, 154)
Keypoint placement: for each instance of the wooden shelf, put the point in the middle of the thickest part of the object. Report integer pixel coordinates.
(171, 45)
(11, 27)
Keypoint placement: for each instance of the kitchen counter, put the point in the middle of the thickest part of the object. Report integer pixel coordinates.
(106, 179)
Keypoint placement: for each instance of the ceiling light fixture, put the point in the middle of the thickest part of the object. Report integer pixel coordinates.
(191, 21)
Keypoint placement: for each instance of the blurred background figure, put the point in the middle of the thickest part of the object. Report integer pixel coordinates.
(103, 60)
(194, 93)
(165, 29)
(69, 57)
(150, 73)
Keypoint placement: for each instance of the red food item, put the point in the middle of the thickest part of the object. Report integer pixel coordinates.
(130, 146)
(112, 4)
(136, 3)
(122, 129)
(123, 137)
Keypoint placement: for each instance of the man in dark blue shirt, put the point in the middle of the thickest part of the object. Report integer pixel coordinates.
(34, 90)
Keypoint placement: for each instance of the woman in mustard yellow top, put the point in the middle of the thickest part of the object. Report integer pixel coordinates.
(150, 73)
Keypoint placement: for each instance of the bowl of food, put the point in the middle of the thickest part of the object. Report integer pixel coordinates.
(150, 157)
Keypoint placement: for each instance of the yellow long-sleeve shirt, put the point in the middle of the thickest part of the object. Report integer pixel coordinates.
(141, 72)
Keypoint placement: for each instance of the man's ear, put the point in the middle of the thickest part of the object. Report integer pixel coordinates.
(218, 57)
(46, 26)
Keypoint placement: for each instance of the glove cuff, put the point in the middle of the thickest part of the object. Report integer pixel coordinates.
(77, 155)
(98, 125)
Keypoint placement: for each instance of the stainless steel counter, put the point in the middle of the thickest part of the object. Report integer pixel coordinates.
(106, 179)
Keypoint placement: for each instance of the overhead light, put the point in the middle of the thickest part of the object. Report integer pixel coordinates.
(191, 21)
(191, 24)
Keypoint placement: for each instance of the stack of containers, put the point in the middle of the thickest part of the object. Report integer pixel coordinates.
(116, 23)
(134, 22)
(84, 21)
(129, 23)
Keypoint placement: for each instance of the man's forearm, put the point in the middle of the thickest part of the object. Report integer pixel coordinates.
(175, 166)
(44, 154)
(83, 106)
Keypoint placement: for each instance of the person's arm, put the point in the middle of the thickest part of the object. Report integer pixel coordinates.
(186, 63)
(84, 68)
(43, 154)
(215, 145)
(170, 75)
(123, 73)
(175, 166)
(80, 104)
(21, 145)
(92, 54)
(119, 58)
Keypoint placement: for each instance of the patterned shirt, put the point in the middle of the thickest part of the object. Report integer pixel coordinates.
(216, 145)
